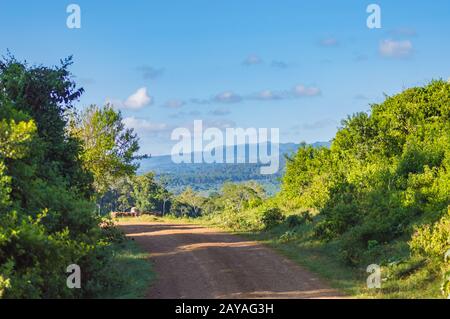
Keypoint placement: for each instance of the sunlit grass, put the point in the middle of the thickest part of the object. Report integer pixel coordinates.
(134, 271)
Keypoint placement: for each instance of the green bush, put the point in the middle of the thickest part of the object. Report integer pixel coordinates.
(271, 217)
(445, 288)
(432, 240)
(288, 236)
(48, 217)
(293, 221)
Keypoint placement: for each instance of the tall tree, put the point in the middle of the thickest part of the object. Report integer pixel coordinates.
(109, 147)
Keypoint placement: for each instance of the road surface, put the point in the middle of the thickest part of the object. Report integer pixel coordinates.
(196, 262)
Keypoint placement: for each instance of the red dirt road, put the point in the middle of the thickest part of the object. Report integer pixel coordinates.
(197, 262)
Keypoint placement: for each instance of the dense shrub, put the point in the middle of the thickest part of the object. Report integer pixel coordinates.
(445, 288)
(271, 217)
(48, 218)
(432, 240)
(386, 171)
(293, 221)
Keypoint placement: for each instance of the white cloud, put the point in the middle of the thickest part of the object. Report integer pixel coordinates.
(220, 112)
(230, 97)
(227, 97)
(269, 95)
(143, 125)
(138, 99)
(396, 49)
(114, 102)
(301, 90)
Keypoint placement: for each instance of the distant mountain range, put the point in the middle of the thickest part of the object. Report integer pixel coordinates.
(210, 177)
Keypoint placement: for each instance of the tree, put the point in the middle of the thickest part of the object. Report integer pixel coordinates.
(46, 218)
(191, 198)
(238, 197)
(145, 191)
(109, 147)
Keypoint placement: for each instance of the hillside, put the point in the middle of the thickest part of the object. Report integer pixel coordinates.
(210, 177)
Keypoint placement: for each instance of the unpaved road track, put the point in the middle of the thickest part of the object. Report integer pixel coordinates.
(196, 262)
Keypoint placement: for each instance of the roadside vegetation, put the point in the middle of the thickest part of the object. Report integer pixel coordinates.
(54, 169)
(379, 195)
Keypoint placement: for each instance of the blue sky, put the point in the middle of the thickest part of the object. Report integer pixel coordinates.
(301, 66)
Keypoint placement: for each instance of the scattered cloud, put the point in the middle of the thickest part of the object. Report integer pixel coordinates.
(230, 97)
(185, 114)
(219, 123)
(301, 90)
(396, 49)
(174, 104)
(116, 103)
(142, 125)
(150, 73)
(138, 99)
(227, 97)
(268, 95)
(329, 42)
(252, 60)
(220, 112)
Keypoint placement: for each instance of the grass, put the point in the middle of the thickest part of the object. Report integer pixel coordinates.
(134, 272)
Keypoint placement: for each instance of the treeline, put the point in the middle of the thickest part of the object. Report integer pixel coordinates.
(54, 166)
(384, 181)
(386, 173)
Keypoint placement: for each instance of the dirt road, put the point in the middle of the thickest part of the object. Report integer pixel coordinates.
(197, 262)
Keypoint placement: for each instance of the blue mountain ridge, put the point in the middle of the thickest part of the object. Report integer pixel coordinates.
(210, 177)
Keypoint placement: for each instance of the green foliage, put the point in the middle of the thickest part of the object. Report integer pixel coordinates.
(108, 147)
(432, 240)
(47, 220)
(385, 171)
(189, 203)
(306, 177)
(293, 221)
(238, 197)
(272, 217)
(445, 287)
(140, 191)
